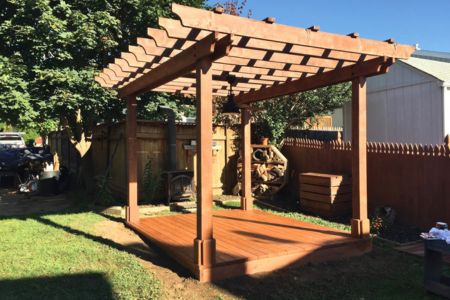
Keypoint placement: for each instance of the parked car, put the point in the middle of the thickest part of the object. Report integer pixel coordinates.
(11, 140)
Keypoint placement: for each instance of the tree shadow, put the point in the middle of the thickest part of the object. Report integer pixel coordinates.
(154, 255)
(70, 286)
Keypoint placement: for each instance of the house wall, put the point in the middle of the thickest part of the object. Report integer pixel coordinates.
(403, 106)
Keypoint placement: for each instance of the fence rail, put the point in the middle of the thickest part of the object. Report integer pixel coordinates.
(413, 179)
(108, 152)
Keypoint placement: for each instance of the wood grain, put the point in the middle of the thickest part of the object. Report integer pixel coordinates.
(248, 242)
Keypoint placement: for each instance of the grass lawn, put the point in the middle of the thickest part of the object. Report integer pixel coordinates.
(58, 257)
(293, 215)
(382, 274)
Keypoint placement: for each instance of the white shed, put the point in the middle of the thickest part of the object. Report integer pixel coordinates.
(409, 104)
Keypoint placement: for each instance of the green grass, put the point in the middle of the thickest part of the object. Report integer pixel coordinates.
(381, 274)
(293, 215)
(306, 218)
(59, 257)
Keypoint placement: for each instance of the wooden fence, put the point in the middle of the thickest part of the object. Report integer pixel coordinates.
(108, 149)
(413, 179)
(60, 143)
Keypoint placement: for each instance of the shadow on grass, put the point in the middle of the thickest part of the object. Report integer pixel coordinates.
(153, 255)
(73, 286)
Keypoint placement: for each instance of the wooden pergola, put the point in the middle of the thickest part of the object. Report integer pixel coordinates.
(195, 55)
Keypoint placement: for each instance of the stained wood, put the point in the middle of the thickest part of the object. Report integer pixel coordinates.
(246, 148)
(205, 248)
(329, 199)
(360, 222)
(326, 190)
(178, 65)
(248, 242)
(323, 179)
(132, 210)
(402, 176)
(254, 53)
(324, 209)
(373, 67)
(202, 19)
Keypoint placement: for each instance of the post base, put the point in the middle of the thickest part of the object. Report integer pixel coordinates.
(204, 252)
(131, 214)
(360, 228)
(246, 203)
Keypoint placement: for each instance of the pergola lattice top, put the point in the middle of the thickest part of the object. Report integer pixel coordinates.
(267, 59)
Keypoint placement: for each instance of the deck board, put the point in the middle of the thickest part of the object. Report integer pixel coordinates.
(249, 241)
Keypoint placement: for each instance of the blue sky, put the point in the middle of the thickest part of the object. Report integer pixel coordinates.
(426, 22)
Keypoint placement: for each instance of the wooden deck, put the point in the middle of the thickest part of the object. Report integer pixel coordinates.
(249, 242)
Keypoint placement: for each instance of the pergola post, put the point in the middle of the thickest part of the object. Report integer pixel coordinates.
(132, 211)
(360, 222)
(204, 244)
(246, 148)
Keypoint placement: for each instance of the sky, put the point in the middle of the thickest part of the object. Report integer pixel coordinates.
(423, 22)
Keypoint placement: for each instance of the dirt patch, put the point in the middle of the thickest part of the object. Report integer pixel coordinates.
(14, 204)
(176, 282)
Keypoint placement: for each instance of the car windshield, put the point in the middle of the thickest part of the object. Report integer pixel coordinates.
(10, 138)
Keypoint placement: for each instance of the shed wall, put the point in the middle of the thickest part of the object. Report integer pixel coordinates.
(446, 93)
(403, 106)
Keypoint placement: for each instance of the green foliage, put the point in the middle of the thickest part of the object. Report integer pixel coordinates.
(50, 51)
(306, 218)
(104, 195)
(273, 117)
(148, 105)
(15, 105)
(61, 256)
(30, 135)
(151, 182)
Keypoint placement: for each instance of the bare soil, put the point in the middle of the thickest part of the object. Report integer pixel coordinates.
(14, 204)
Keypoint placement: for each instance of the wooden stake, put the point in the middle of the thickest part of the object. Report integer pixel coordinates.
(246, 148)
(132, 211)
(360, 222)
(204, 244)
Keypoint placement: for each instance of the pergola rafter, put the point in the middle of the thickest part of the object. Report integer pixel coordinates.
(196, 54)
(268, 54)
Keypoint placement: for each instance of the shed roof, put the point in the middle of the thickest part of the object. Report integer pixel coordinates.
(260, 54)
(437, 69)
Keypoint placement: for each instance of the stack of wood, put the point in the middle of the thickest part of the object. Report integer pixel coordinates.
(327, 195)
(269, 173)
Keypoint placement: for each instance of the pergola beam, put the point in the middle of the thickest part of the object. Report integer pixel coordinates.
(225, 64)
(179, 65)
(369, 68)
(208, 20)
(176, 30)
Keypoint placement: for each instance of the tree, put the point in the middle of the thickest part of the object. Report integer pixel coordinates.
(51, 49)
(15, 106)
(274, 116)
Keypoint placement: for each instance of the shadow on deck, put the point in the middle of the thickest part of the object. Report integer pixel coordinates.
(249, 242)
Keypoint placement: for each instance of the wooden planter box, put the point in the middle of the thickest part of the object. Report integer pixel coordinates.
(327, 195)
